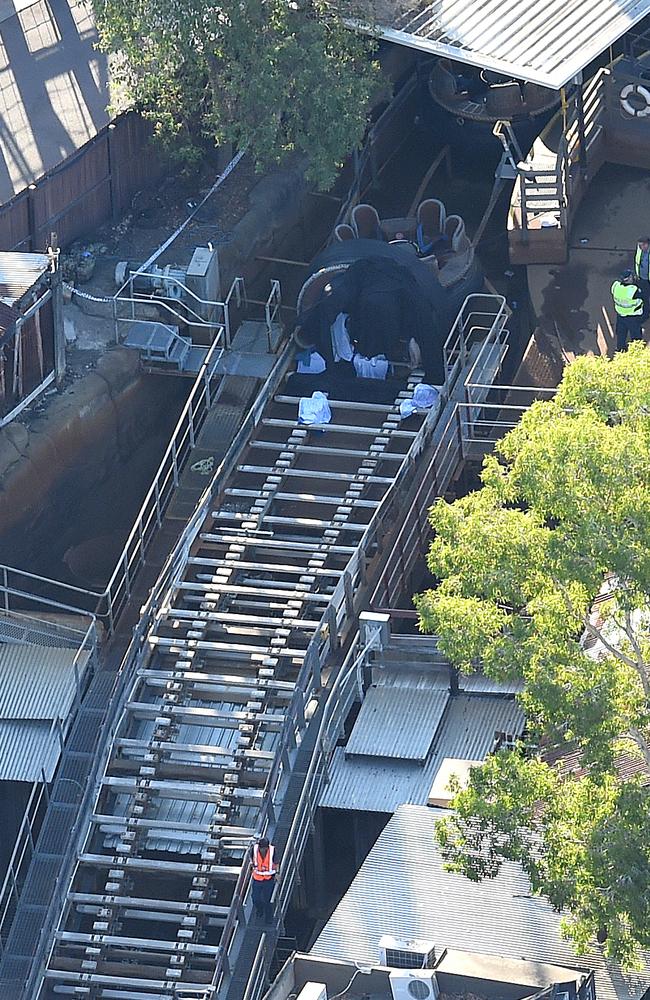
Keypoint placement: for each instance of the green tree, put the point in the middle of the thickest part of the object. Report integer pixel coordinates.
(271, 75)
(544, 574)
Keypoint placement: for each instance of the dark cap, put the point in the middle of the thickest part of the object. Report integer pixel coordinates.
(643, 239)
(263, 843)
(627, 273)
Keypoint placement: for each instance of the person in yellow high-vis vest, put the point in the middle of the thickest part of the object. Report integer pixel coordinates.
(628, 305)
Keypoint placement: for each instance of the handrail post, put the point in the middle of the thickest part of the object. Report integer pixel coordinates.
(226, 323)
(157, 496)
(175, 461)
(524, 206)
(190, 418)
(127, 576)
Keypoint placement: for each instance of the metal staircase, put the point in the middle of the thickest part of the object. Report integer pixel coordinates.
(164, 349)
(161, 345)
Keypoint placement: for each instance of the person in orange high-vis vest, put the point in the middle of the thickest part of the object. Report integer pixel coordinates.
(265, 869)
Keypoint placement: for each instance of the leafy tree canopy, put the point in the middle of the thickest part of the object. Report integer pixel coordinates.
(544, 574)
(272, 75)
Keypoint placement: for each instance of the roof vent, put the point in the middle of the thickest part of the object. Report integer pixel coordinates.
(403, 953)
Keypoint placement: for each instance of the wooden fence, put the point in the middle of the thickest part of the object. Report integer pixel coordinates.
(93, 186)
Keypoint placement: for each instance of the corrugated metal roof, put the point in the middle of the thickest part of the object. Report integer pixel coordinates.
(18, 272)
(544, 41)
(383, 785)
(26, 749)
(397, 722)
(37, 685)
(479, 683)
(37, 682)
(396, 893)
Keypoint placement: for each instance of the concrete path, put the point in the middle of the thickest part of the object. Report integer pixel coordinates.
(572, 301)
(53, 87)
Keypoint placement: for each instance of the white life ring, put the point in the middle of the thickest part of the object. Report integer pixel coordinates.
(636, 90)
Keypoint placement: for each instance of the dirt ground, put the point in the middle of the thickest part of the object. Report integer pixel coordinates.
(156, 214)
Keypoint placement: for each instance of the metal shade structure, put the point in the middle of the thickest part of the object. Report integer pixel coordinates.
(547, 42)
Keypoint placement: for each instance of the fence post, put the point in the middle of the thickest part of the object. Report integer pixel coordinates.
(56, 287)
(109, 163)
(31, 220)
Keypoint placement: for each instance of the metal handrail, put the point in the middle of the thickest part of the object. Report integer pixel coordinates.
(10, 890)
(26, 837)
(238, 290)
(308, 681)
(272, 307)
(318, 652)
(555, 195)
(157, 498)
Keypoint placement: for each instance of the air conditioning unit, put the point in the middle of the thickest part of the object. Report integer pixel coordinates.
(401, 953)
(414, 984)
(313, 991)
(506, 741)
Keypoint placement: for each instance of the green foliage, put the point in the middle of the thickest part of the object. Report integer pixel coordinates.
(276, 77)
(562, 517)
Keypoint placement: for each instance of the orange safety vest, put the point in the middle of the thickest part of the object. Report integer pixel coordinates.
(263, 864)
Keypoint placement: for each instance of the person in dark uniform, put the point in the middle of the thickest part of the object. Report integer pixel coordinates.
(265, 869)
(642, 272)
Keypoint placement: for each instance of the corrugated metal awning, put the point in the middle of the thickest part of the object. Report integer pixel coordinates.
(37, 682)
(27, 749)
(376, 784)
(37, 686)
(18, 272)
(397, 722)
(548, 42)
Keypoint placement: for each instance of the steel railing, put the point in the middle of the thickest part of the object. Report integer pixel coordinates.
(338, 619)
(554, 190)
(190, 308)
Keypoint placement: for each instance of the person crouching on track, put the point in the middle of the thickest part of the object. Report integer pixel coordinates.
(265, 869)
(629, 307)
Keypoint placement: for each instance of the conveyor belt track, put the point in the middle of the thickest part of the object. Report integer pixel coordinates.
(192, 767)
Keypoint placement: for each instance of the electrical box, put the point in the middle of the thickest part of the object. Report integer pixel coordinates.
(313, 991)
(204, 280)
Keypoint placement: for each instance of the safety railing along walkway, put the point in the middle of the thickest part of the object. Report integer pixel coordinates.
(18, 587)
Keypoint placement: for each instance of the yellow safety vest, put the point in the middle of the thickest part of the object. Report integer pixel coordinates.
(626, 300)
(637, 264)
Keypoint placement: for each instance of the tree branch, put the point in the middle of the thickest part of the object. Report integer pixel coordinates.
(619, 654)
(637, 736)
(640, 662)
